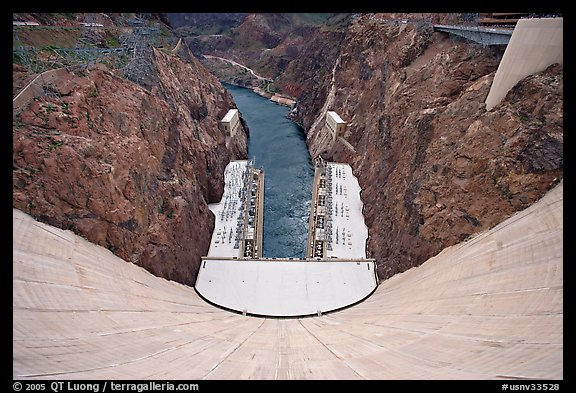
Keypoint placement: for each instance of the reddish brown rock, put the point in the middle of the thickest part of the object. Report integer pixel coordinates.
(129, 169)
(434, 166)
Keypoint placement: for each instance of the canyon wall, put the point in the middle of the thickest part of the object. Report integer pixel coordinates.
(435, 167)
(128, 168)
(133, 169)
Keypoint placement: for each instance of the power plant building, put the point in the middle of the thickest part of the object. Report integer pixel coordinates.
(335, 124)
(230, 122)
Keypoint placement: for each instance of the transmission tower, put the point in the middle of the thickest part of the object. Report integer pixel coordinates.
(141, 40)
(29, 57)
(133, 57)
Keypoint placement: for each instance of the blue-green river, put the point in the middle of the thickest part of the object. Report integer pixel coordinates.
(278, 146)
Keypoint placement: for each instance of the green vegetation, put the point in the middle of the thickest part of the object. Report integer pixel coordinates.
(336, 22)
(69, 15)
(505, 192)
(310, 18)
(44, 46)
(106, 63)
(112, 42)
(32, 171)
(72, 227)
(55, 144)
(73, 124)
(552, 81)
(49, 48)
(164, 209)
(165, 31)
(17, 58)
(19, 123)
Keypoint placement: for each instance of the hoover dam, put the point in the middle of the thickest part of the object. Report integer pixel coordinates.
(488, 308)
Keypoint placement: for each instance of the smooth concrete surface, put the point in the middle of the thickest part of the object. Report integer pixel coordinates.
(349, 232)
(491, 307)
(285, 288)
(535, 44)
(226, 238)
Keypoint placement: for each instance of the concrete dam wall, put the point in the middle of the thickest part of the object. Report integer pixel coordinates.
(488, 308)
(535, 44)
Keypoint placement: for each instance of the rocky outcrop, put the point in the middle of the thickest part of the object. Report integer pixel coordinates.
(434, 166)
(264, 42)
(127, 168)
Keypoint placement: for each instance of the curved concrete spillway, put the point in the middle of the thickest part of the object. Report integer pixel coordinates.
(491, 307)
(234, 277)
(285, 288)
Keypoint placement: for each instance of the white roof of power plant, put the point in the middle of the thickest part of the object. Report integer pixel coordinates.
(336, 117)
(225, 236)
(488, 308)
(285, 288)
(349, 232)
(289, 288)
(230, 115)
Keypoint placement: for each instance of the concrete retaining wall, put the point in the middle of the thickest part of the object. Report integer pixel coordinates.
(535, 44)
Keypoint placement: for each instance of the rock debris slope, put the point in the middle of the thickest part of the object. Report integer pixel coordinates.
(491, 307)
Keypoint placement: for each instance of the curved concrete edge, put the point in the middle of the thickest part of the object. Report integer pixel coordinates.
(285, 288)
(535, 44)
(488, 308)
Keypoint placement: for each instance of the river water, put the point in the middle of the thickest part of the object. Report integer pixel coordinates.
(278, 146)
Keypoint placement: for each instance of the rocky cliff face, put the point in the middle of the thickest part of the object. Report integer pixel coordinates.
(264, 42)
(197, 23)
(434, 166)
(127, 168)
